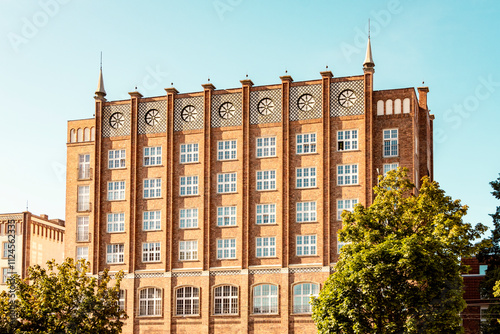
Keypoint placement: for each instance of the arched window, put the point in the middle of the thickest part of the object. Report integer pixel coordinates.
(79, 135)
(302, 294)
(188, 301)
(150, 301)
(92, 133)
(380, 107)
(226, 299)
(72, 136)
(388, 107)
(406, 106)
(86, 134)
(265, 299)
(397, 106)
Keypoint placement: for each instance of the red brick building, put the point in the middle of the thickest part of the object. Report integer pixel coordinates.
(223, 205)
(471, 316)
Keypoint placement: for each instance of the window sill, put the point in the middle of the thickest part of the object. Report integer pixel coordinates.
(266, 257)
(115, 263)
(148, 316)
(189, 228)
(345, 151)
(190, 163)
(348, 185)
(310, 255)
(189, 261)
(314, 222)
(305, 188)
(225, 226)
(194, 195)
(271, 156)
(152, 166)
(222, 160)
(228, 192)
(146, 262)
(226, 315)
(152, 198)
(264, 190)
(264, 314)
(119, 168)
(267, 224)
(311, 153)
(117, 200)
(225, 259)
(160, 230)
(115, 232)
(180, 316)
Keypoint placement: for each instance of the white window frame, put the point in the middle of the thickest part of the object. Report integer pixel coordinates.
(151, 252)
(145, 300)
(116, 190)
(347, 175)
(188, 218)
(82, 252)
(305, 177)
(187, 301)
(306, 212)
(265, 247)
(83, 202)
(347, 140)
(304, 297)
(389, 167)
(188, 250)
(390, 146)
(226, 183)
(121, 299)
(5, 250)
(188, 184)
(265, 180)
(226, 216)
(306, 143)
(82, 228)
(345, 204)
(227, 150)
(265, 147)
(226, 249)
(151, 220)
(152, 188)
(189, 153)
(115, 222)
(306, 245)
(152, 156)
(265, 214)
(226, 299)
(265, 299)
(116, 159)
(83, 166)
(5, 275)
(115, 253)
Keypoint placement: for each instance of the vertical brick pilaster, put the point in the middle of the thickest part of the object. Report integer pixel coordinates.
(96, 247)
(371, 176)
(327, 143)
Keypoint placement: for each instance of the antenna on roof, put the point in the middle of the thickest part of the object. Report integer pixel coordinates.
(368, 28)
(27, 205)
(101, 60)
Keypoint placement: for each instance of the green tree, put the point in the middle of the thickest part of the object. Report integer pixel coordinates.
(400, 271)
(63, 299)
(491, 256)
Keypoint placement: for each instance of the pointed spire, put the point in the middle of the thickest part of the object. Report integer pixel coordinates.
(369, 65)
(100, 92)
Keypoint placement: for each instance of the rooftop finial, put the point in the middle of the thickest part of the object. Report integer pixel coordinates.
(368, 28)
(100, 92)
(369, 64)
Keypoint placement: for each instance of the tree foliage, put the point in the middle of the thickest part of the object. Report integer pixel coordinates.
(491, 256)
(63, 299)
(400, 271)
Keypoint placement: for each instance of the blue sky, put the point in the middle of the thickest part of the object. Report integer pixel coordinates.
(49, 53)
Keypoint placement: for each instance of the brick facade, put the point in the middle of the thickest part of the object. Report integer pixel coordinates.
(286, 268)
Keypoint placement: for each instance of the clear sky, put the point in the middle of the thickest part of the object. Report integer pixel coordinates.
(49, 63)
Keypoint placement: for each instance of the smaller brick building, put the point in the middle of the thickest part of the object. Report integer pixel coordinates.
(27, 239)
(471, 316)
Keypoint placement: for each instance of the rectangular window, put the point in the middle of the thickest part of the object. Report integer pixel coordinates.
(226, 216)
(116, 190)
(345, 204)
(306, 143)
(306, 212)
(187, 301)
(115, 253)
(83, 198)
(226, 150)
(391, 143)
(266, 147)
(82, 253)
(306, 177)
(116, 159)
(188, 250)
(5, 250)
(189, 185)
(347, 174)
(266, 214)
(266, 180)
(151, 252)
(302, 294)
(151, 221)
(152, 156)
(266, 247)
(84, 166)
(121, 300)
(226, 249)
(116, 222)
(82, 228)
(306, 245)
(152, 188)
(5, 275)
(226, 183)
(189, 153)
(226, 300)
(389, 167)
(347, 140)
(188, 218)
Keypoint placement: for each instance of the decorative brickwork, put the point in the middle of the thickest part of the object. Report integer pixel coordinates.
(152, 117)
